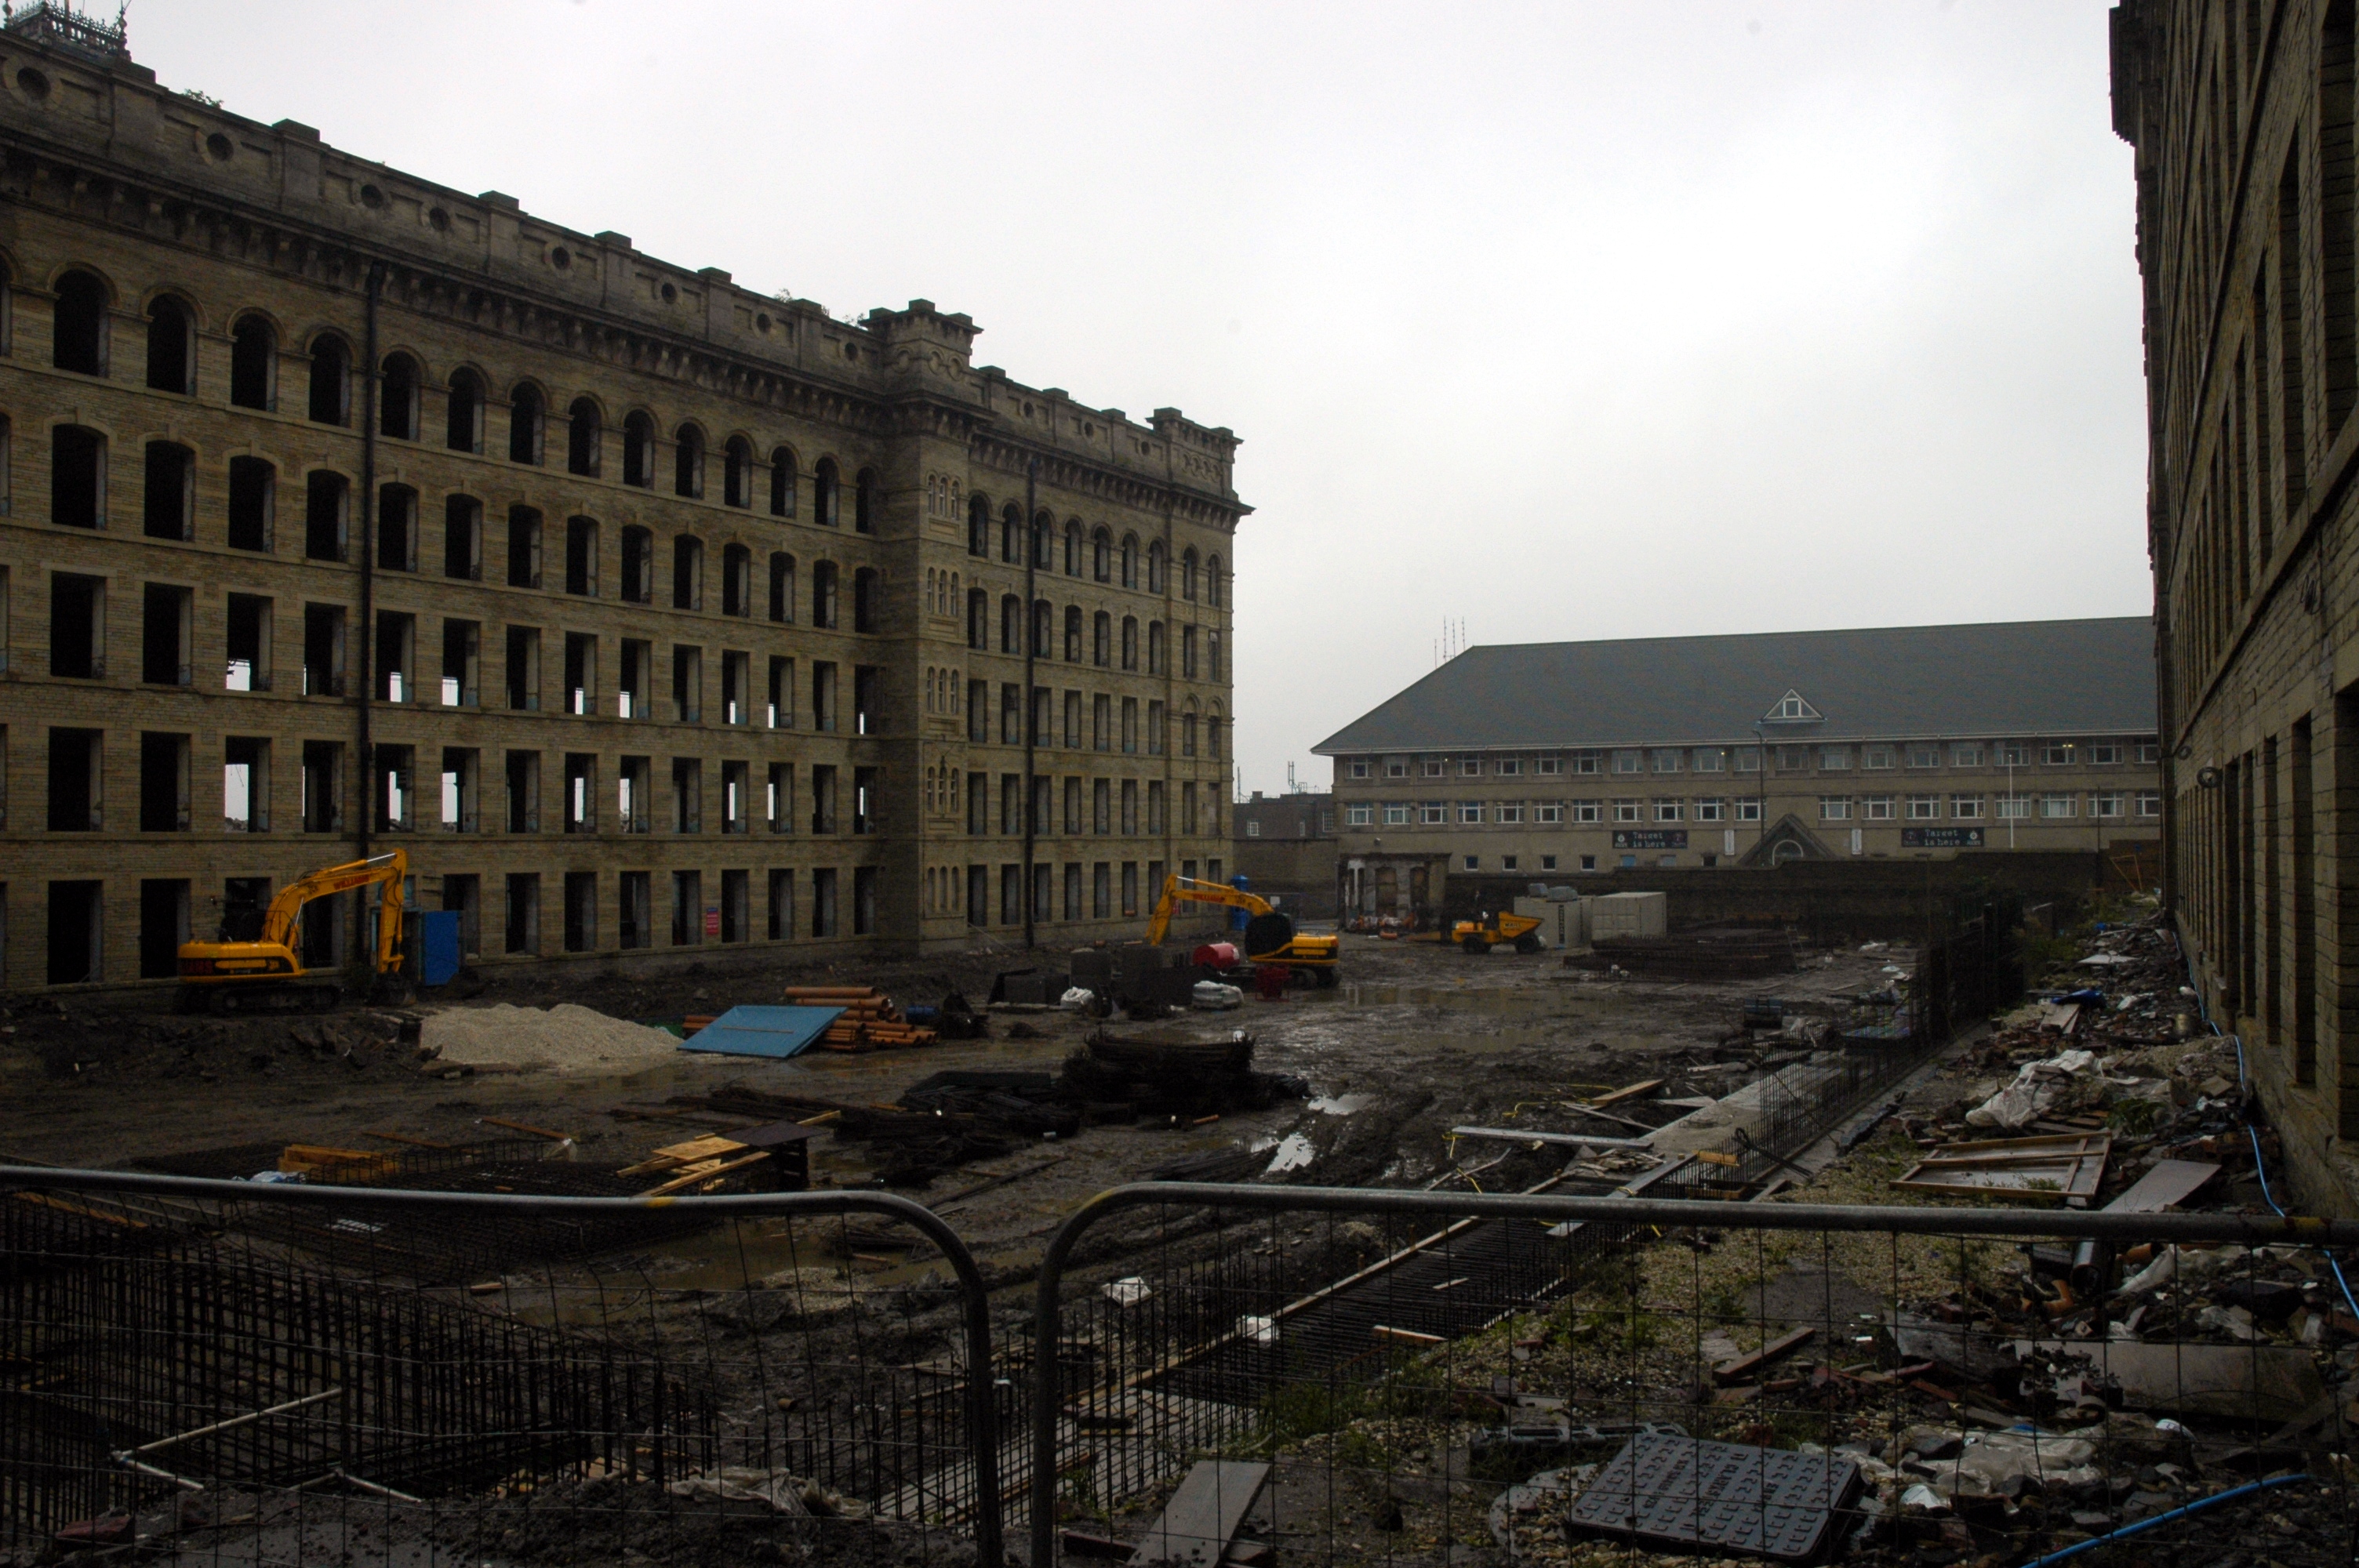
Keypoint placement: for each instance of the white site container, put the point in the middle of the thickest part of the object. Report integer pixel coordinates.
(1565, 922)
(1629, 915)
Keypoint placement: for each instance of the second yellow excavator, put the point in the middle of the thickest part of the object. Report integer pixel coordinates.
(268, 972)
(1270, 938)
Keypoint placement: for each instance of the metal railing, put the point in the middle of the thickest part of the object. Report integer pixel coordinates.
(168, 1341)
(1239, 1330)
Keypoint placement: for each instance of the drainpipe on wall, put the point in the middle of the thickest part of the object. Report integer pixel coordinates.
(1031, 650)
(367, 628)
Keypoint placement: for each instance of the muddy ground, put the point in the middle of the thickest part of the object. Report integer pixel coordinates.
(1415, 1040)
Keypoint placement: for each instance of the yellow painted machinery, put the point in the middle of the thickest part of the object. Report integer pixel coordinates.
(268, 972)
(1495, 930)
(1270, 938)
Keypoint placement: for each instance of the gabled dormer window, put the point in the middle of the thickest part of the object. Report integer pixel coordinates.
(1791, 707)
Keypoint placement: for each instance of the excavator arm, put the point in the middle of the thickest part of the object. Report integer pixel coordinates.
(391, 869)
(1179, 890)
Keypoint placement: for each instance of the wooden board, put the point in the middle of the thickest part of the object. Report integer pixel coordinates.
(1196, 1525)
(1525, 1135)
(2168, 1184)
(2065, 1170)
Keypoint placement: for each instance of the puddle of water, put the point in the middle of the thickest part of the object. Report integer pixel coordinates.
(1342, 1105)
(1294, 1151)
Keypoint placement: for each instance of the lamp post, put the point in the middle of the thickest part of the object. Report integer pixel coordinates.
(1760, 787)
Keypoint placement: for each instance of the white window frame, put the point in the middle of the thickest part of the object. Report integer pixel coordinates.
(1359, 768)
(1471, 862)
(1470, 814)
(1470, 767)
(1397, 814)
(2059, 807)
(1628, 762)
(1670, 810)
(1711, 811)
(1834, 759)
(1359, 815)
(1966, 807)
(1508, 767)
(1549, 765)
(2146, 751)
(1548, 812)
(2149, 802)
(1586, 811)
(1395, 768)
(1878, 758)
(1508, 811)
(1434, 767)
(1748, 808)
(2105, 807)
(1966, 754)
(2013, 754)
(1834, 808)
(1924, 808)
(1667, 760)
(2105, 754)
(2011, 807)
(1711, 760)
(1584, 762)
(1749, 759)
(1877, 808)
(1630, 811)
(1432, 813)
(1924, 756)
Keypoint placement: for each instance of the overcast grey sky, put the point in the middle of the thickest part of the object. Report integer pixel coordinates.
(1568, 321)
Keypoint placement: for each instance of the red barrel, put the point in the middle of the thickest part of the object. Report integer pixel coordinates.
(1216, 956)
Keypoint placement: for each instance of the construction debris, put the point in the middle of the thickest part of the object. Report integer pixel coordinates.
(1676, 1494)
(2066, 1170)
(869, 1021)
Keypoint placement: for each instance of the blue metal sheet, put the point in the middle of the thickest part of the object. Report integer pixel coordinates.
(763, 1031)
(438, 957)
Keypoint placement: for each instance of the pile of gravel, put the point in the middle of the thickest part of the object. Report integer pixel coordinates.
(567, 1038)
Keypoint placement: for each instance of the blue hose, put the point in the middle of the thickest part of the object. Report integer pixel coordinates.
(2146, 1524)
(2260, 1169)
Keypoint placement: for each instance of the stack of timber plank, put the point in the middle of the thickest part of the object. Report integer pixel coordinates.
(870, 1020)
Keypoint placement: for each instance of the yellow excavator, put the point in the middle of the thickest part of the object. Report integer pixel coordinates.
(1270, 938)
(268, 973)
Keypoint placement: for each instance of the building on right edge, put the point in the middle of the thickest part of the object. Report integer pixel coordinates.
(2245, 124)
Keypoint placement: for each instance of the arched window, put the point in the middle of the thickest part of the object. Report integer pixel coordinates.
(863, 501)
(737, 472)
(978, 526)
(1155, 651)
(466, 409)
(1188, 573)
(638, 566)
(396, 399)
(782, 482)
(823, 578)
(585, 434)
(639, 451)
(1130, 641)
(1102, 639)
(331, 380)
(527, 413)
(687, 572)
(1187, 730)
(824, 498)
(1073, 548)
(171, 346)
(782, 587)
(169, 503)
(1011, 624)
(1044, 630)
(1212, 732)
(79, 340)
(77, 476)
(736, 580)
(1155, 566)
(1102, 556)
(687, 462)
(252, 363)
(978, 620)
(868, 606)
(1130, 560)
(1073, 633)
(1044, 542)
(1213, 589)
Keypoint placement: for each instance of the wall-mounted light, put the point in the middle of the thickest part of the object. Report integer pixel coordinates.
(2208, 776)
(2184, 751)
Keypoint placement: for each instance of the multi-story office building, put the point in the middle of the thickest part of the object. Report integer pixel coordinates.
(1547, 760)
(341, 511)
(2244, 123)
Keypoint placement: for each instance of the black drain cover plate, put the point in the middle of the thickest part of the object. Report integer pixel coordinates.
(1682, 1493)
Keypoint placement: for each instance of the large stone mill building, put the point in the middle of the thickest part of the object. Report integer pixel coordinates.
(340, 511)
(2244, 122)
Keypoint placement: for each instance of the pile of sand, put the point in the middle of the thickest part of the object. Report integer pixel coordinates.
(567, 1038)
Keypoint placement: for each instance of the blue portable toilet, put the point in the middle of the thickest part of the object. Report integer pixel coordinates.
(438, 946)
(1238, 917)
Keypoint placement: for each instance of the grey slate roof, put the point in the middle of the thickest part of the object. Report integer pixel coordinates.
(2006, 679)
